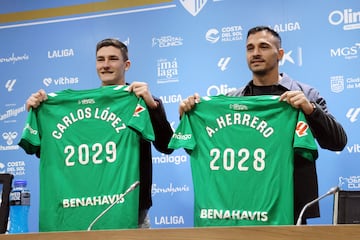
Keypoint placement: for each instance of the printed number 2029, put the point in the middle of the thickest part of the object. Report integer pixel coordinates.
(228, 158)
(82, 154)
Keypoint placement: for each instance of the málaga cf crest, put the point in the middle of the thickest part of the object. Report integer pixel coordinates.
(193, 6)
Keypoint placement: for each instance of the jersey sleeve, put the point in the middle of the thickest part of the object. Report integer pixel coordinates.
(304, 141)
(141, 122)
(30, 139)
(183, 136)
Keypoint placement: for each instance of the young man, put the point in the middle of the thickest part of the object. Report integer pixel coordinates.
(111, 64)
(263, 53)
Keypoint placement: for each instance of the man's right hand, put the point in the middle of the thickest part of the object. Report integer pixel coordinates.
(188, 103)
(35, 99)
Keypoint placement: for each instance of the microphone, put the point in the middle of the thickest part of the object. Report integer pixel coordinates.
(131, 188)
(332, 190)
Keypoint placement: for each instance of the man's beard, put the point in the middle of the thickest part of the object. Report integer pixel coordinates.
(260, 72)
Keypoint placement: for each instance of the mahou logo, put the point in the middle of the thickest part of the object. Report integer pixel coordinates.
(193, 6)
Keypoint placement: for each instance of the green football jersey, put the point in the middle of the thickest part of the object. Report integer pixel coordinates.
(89, 155)
(242, 151)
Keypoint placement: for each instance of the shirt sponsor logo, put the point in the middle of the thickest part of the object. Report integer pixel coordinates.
(92, 201)
(235, 214)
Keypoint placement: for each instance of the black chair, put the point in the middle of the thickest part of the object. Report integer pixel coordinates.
(346, 207)
(6, 183)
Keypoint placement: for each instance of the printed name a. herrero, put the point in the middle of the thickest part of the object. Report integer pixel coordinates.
(244, 119)
(231, 119)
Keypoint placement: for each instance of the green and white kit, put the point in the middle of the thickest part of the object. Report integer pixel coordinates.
(242, 151)
(89, 155)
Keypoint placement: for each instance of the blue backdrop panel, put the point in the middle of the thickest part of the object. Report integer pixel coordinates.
(180, 49)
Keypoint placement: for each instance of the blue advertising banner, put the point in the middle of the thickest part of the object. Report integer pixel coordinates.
(181, 47)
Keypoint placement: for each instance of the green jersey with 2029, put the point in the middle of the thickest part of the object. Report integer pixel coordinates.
(89, 155)
(242, 151)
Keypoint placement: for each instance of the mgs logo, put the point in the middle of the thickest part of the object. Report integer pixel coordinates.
(193, 6)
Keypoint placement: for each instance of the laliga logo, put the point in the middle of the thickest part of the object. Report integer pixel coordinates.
(9, 137)
(193, 6)
(301, 128)
(353, 114)
(10, 84)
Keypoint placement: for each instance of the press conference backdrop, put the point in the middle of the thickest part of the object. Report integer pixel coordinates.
(179, 47)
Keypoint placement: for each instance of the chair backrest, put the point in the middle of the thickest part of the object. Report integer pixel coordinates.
(5, 188)
(346, 207)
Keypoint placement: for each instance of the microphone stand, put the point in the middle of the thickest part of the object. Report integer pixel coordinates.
(131, 188)
(330, 192)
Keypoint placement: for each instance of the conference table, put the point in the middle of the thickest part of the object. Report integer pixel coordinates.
(317, 232)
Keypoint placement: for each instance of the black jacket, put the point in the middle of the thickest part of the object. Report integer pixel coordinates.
(327, 131)
(163, 133)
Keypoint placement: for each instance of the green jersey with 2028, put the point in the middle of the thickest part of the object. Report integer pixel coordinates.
(89, 155)
(242, 151)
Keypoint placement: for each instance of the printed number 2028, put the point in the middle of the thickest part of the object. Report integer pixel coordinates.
(228, 158)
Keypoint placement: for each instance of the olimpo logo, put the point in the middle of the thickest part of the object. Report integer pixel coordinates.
(193, 6)
(348, 18)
